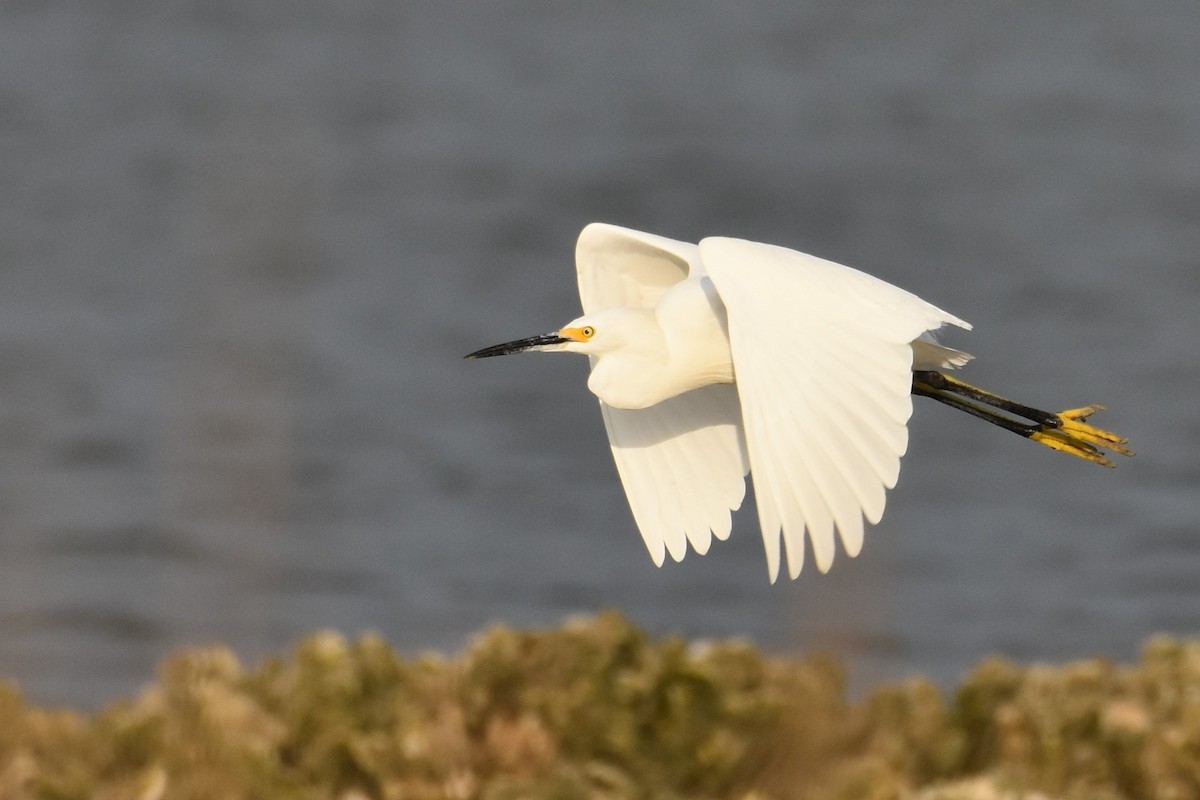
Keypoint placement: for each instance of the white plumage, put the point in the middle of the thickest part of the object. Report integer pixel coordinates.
(823, 358)
(730, 357)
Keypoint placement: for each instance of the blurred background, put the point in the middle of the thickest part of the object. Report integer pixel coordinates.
(244, 246)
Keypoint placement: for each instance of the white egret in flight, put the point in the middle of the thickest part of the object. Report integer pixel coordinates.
(730, 357)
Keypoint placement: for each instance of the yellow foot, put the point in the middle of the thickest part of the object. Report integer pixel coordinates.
(1074, 423)
(1073, 435)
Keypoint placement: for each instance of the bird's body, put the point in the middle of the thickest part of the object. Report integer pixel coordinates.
(728, 357)
(679, 345)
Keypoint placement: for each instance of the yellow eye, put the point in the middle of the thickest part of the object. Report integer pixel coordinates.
(588, 332)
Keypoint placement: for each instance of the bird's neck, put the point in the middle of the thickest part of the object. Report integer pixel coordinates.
(632, 376)
(656, 362)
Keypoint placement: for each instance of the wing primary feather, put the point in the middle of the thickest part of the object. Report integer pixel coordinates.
(873, 431)
(878, 380)
(666, 494)
(798, 504)
(709, 502)
(693, 509)
(849, 483)
(765, 494)
(812, 482)
(632, 480)
(865, 458)
(765, 491)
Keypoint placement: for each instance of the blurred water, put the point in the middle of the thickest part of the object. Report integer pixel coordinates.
(244, 246)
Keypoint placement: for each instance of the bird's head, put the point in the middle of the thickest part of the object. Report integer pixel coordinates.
(591, 334)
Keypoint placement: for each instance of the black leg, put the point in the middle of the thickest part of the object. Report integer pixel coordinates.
(928, 390)
(946, 383)
(1067, 431)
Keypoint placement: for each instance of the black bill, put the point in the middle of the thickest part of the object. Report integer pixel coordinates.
(519, 345)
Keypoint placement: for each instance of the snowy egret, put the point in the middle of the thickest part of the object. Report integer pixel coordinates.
(730, 357)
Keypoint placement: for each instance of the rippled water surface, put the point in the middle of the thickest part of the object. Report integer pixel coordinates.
(244, 246)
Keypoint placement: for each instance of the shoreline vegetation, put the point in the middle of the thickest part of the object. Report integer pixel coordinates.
(599, 709)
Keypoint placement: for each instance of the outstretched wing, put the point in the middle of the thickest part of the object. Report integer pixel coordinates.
(823, 363)
(682, 465)
(622, 268)
(682, 462)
